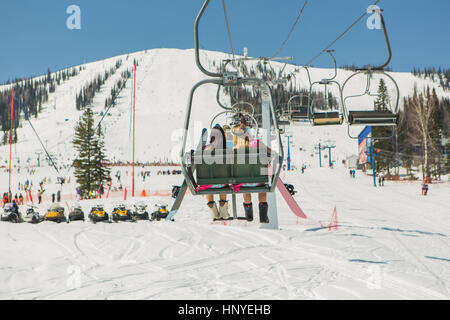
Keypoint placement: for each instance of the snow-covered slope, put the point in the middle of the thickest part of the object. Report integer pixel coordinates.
(164, 79)
(392, 243)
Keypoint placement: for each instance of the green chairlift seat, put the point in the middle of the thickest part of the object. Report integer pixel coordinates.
(233, 168)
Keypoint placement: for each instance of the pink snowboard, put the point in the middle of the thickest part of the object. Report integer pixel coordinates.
(290, 200)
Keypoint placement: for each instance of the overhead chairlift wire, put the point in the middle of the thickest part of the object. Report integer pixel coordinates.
(228, 27)
(341, 35)
(37, 135)
(292, 29)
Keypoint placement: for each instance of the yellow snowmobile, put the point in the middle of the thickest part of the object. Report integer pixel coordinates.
(55, 213)
(161, 213)
(98, 214)
(121, 213)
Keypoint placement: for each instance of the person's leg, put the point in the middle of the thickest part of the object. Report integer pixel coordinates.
(212, 207)
(263, 208)
(223, 207)
(262, 197)
(248, 206)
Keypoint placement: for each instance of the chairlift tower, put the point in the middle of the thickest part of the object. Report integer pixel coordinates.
(329, 145)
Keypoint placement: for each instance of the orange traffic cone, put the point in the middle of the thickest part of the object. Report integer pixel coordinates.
(144, 193)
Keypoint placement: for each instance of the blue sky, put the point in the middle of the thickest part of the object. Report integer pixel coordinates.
(34, 35)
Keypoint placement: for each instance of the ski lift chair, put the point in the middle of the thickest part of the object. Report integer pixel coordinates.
(232, 167)
(386, 118)
(299, 112)
(326, 118)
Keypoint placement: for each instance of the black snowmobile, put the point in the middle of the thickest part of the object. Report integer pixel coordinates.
(10, 215)
(76, 213)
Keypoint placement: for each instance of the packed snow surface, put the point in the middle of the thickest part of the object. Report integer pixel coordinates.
(391, 243)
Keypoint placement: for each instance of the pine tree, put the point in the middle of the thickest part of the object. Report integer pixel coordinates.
(385, 159)
(101, 173)
(89, 167)
(382, 102)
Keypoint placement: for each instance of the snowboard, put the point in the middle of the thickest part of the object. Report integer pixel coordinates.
(290, 200)
(182, 192)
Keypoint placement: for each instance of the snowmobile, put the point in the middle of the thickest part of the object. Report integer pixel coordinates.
(55, 213)
(98, 214)
(32, 216)
(76, 213)
(8, 214)
(121, 213)
(140, 211)
(161, 213)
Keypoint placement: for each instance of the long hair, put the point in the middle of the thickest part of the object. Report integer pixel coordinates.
(218, 140)
(243, 139)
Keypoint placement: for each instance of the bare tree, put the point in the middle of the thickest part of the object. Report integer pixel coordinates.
(422, 107)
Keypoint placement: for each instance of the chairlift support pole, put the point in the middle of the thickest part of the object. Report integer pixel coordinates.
(372, 151)
(10, 138)
(289, 154)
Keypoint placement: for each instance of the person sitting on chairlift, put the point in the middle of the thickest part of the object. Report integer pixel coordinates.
(242, 139)
(217, 141)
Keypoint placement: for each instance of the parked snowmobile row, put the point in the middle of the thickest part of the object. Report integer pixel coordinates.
(57, 213)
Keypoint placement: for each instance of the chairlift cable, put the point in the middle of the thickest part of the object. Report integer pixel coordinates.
(228, 27)
(37, 135)
(292, 30)
(341, 35)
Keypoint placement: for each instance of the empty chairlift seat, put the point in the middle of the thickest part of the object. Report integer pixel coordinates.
(374, 118)
(327, 118)
(300, 113)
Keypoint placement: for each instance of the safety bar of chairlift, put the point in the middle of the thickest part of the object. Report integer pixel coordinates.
(388, 46)
(374, 138)
(186, 128)
(218, 99)
(197, 43)
(369, 72)
(232, 112)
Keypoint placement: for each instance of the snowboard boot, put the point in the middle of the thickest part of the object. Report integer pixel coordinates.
(263, 209)
(215, 215)
(223, 210)
(248, 211)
